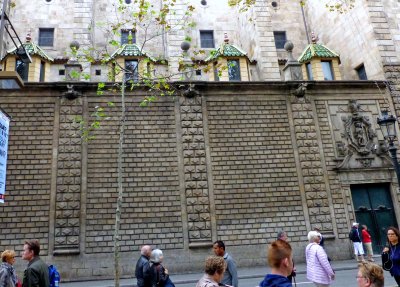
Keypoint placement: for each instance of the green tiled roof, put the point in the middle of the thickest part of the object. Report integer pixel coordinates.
(225, 50)
(33, 49)
(316, 51)
(130, 50)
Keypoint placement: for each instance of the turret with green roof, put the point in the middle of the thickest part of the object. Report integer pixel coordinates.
(37, 71)
(229, 63)
(319, 62)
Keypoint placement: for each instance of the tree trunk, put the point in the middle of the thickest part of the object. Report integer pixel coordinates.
(120, 189)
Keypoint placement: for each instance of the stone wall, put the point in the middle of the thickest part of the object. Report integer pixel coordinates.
(240, 162)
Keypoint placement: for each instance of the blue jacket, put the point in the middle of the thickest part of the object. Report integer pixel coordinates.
(394, 252)
(272, 280)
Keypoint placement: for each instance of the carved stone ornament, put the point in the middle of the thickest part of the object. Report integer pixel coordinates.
(360, 148)
(300, 91)
(71, 93)
(358, 130)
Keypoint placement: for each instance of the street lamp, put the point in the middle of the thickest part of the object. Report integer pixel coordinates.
(387, 124)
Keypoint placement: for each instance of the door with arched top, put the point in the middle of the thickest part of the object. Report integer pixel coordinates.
(373, 207)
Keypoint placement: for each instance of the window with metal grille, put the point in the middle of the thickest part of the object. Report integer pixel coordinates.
(280, 39)
(362, 74)
(234, 70)
(327, 70)
(207, 39)
(42, 71)
(22, 69)
(46, 37)
(309, 72)
(132, 73)
(216, 73)
(125, 36)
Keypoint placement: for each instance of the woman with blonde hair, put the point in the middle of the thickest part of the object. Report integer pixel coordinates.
(214, 272)
(8, 278)
(319, 270)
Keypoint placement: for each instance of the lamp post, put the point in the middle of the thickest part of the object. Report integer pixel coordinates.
(387, 124)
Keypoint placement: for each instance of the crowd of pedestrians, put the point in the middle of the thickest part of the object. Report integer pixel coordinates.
(220, 270)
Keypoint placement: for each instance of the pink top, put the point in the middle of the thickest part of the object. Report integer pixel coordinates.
(319, 270)
(366, 237)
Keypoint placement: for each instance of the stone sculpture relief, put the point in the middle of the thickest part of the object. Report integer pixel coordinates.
(360, 147)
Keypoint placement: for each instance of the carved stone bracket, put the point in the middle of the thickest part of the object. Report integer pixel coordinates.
(71, 93)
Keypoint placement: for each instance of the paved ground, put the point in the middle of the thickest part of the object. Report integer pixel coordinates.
(249, 276)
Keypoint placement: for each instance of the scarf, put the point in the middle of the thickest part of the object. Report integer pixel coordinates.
(10, 270)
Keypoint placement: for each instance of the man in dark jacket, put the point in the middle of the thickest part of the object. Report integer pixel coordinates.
(37, 272)
(355, 236)
(142, 271)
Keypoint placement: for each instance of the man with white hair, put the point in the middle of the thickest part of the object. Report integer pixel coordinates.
(142, 271)
(355, 236)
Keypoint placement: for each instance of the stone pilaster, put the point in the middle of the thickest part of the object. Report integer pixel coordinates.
(311, 172)
(197, 194)
(381, 27)
(175, 37)
(392, 74)
(68, 190)
(267, 57)
(83, 18)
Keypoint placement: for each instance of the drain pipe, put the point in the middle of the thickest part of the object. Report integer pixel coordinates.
(305, 24)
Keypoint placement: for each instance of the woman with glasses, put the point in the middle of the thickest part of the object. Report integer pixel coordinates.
(369, 275)
(8, 278)
(392, 251)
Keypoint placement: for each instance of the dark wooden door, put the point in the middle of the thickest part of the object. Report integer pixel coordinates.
(374, 207)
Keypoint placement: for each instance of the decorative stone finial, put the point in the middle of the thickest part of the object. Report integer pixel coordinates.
(74, 45)
(185, 46)
(289, 49)
(226, 38)
(314, 39)
(292, 69)
(288, 46)
(28, 36)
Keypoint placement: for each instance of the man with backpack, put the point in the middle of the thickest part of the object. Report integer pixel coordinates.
(37, 272)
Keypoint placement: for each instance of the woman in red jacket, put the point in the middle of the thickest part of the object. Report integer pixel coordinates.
(366, 239)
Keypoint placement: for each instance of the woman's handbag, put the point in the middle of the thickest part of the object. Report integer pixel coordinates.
(169, 283)
(387, 263)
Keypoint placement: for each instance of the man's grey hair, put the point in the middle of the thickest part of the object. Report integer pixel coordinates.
(280, 234)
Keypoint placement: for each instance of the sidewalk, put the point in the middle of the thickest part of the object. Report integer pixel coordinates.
(247, 272)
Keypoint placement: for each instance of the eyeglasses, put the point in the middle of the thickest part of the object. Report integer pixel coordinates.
(360, 277)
